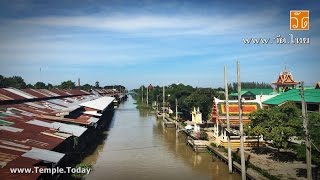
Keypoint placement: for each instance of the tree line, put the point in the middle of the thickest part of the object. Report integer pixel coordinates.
(189, 97)
(19, 83)
(233, 87)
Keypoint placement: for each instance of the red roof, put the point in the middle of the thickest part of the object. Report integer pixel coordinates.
(11, 95)
(285, 78)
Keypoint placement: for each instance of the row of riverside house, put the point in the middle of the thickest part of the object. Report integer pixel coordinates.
(50, 128)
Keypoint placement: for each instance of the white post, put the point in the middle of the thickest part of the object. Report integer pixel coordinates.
(243, 166)
(163, 102)
(228, 118)
(142, 94)
(176, 113)
(306, 131)
(148, 96)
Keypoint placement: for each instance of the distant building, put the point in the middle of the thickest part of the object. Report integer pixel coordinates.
(285, 82)
(150, 87)
(287, 88)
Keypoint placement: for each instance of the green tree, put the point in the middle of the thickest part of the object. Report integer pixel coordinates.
(14, 81)
(187, 96)
(97, 84)
(30, 86)
(1, 81)
(257, 131)
(86, 87)
(68, 85)
(278, 124)
(40, 85)
(49, 86)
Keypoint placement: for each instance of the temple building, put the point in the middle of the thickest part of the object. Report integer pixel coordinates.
(285, 82)
(288, 92)
(218, 117)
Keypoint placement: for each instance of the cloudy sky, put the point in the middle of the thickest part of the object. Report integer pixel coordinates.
(157, 42)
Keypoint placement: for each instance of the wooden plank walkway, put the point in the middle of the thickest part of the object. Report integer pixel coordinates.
(197, 145)
(251, 173)
(168, 122)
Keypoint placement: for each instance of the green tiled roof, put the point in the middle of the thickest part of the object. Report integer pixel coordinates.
(242, 93)
(260, 91)
(311, 96)
(254, 92)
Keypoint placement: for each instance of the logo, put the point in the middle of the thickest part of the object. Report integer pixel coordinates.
(299, 20)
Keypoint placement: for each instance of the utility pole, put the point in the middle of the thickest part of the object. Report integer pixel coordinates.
(163, 102)
(306, 131)
(226, 93)
(148, 96)
(176, 113)
(243, 166)
(142, 94)
(158, 102)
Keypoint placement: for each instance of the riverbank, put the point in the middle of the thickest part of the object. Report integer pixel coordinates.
(261, 164)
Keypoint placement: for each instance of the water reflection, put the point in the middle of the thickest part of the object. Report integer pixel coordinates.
(139, 147)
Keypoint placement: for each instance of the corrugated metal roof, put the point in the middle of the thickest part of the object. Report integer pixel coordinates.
(11, 95)
(99, 104)
(93, 120)
(49, 92)
(34, 93)
(10, 129)
(43, 154)
(20, 93)
(35, 105)
(58, 102)
(94, 113)
(311, 96)
(67, 128)
(40, 92)
(53, 106)
(4, 97)
(6, 123)
(40, 123)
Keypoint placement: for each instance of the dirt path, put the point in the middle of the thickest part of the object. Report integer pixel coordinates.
(282, 170)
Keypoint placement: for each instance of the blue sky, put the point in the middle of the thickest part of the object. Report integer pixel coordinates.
(157, 42)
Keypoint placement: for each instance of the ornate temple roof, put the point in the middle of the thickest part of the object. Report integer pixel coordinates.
(218, 113)
(285, 78)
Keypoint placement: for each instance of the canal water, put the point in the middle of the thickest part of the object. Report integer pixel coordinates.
(139, 147)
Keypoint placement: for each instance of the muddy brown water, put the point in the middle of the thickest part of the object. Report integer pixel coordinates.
(139, 147)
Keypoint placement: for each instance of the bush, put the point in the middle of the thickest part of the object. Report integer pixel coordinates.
(203, 135)
(83, 166)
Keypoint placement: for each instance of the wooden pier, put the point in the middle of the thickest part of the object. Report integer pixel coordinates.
(197, 145)
(167, 121)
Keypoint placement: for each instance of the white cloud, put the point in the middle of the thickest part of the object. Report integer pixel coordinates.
(156, 25)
